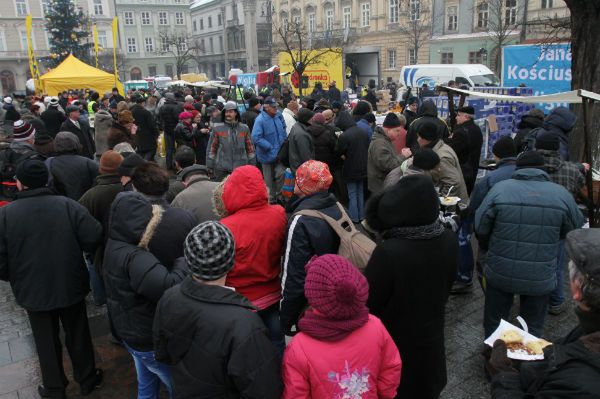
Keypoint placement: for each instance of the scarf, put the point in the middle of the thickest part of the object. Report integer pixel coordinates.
(426, 232)
(325, 329)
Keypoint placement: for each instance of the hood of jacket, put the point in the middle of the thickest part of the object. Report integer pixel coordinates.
(531, 174)
(245, 188)
(561, 118)
(118, 126)
(552, 161)
(129, 216)
(428, 108)
(317, 129)
(316, 201)
(530, 122)
(345, 121)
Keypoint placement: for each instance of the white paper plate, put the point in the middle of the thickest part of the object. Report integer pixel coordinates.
(504, 326)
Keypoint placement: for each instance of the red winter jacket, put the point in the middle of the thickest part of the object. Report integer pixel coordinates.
(366, 364)
(258, 230)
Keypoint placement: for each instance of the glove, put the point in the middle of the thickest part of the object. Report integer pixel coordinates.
(498, 360)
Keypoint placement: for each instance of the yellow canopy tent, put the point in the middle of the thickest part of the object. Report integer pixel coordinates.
(73, 73)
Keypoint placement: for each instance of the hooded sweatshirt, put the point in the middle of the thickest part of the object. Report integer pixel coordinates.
(427, 113)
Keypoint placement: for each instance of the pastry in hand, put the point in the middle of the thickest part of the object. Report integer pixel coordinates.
(511, 337)
(537, 346)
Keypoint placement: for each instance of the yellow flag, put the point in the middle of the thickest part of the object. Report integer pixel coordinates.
(33, 68)
(115, 32)
(96, 43)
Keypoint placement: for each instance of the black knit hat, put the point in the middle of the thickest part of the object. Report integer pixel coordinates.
(42, 137)
(129, 164)
(547, 141)
(32, 173)
(411, 202)
(304, 115)
(209, 250)
(362, 108)
(391, 121)
(467, 109)
(412, 100)
(530, 159)
(504, 147)
(428, 131)
(425, 159)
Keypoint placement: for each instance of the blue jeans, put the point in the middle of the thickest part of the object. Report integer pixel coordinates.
(150, 373)
(557, 297)
(356, 203)
(270, 316)
(96, 283)
(466, 263)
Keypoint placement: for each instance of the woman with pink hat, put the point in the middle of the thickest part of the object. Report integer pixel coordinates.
(341, 351)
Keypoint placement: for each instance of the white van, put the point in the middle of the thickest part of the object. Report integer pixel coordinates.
(471, 75)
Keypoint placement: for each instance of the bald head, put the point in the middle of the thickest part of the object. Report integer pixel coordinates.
(328, 115)
(293, 106)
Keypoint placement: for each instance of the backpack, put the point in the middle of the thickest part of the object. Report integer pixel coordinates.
(354, 245)
(283, 155)
(9, 159)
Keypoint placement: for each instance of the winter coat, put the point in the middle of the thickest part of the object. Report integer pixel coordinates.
(197, 198)
(169, 115)
(118, 133)
(36, 122)
(147, 133)
(570, 369)
(334, 94)
(219, 326)
(230, 146)
(320, 369)
(466, 142)
(42, 239)
(290, 120)
(325, 141)
(504, 171)
(523, 219)
(428, 113)
(184, 134)
(72, 175)
(103, 120)
(97, 200)
(175, 187)
(527, 124)
(258, 230)
(565, 173)
(382, 160)
(11, 113)
(249, 117)
(366, 126)
(410, 116)
(410, 298)
(450, 172)
(301, 146)
(306, 237)
(353, 143)
(134, 279)
(88, 148)
(267, 135)
(558, 123)
(53, 119)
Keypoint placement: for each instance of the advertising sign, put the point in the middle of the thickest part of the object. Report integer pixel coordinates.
(327, 68)
(247, 80)
(545, 68)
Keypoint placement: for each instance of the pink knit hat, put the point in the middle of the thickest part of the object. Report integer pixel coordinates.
(335, 288)
(312, 177)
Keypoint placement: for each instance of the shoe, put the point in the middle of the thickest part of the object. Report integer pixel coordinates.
(44, 393)
(558, 309)
(460, 287)
(95, 384)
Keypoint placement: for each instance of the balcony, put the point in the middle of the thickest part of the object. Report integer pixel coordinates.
(333, 35)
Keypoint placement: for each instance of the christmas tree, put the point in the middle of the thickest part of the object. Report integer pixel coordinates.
(69, 32)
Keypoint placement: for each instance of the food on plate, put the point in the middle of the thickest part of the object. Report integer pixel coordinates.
(511, 337)
(537, 346)
(449, 201)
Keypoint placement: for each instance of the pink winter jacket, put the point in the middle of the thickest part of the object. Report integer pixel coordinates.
(364, 365)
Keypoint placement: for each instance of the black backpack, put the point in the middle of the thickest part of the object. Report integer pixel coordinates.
(9, 160)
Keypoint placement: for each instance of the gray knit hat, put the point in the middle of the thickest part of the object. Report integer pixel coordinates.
(209, 250)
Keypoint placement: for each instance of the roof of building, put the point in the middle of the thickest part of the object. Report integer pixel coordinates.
(200, 3)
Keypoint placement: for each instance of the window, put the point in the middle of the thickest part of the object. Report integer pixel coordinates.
(131, 45)
(98, 9)
(547, 3)
(347, 13)
(210, 22)
(452, 18)
(45, 6)
(149, 45)
(2, 41)
(391, 58)
(201, 24)
(183, 45)
(329, 19)
(162, 18)
(483, 15)
(152, 70)
(128, 17)
(169, 70)
(312, 22)
(365, 10)
(412, 56)
(414, 10)
(164, 43)
(211, 45)
(102, 40)
(219, 19)
(510, 13)
(21, 6)
(202, 45)
(297, 20)
(194, 25)
(145, 18)
(475, 57)
(178, 18)
(447, 58)
(394, 11)
(23, 37)
(221, 49)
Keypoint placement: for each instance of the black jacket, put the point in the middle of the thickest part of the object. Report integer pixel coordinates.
(466, 142)
(147, 133)
(88, 148)
(72, 175)
(570, 369)
(353, 143)
(42, 238)
(11, 113)
(53, 119)
(410, 116)
(527, 124)
(409, 282)
(249, 116)
(135, 280)
(169, 115)
(325, 141)
(334, 94)
(306, 237)
(428, 113)
(217, 345)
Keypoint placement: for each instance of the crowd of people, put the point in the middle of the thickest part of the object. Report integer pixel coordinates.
(300, 217)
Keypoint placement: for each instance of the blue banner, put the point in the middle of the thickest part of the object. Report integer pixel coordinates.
(545, 68)
(247, 80)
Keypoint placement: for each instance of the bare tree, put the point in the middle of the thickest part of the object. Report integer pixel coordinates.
(181, 46)
(306, 48)
(416, 30)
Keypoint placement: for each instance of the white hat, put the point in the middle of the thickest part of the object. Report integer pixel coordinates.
(189, 99)
(53, 100)
(8, 100)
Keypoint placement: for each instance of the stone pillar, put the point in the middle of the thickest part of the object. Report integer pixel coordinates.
(225, 40)
(250, 35)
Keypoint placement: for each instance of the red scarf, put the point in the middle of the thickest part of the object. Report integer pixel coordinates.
(326, 329)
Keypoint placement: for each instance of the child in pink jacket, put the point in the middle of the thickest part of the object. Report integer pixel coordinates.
(341, 352)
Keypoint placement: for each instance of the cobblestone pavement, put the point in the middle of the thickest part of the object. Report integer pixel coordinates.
(19, 373)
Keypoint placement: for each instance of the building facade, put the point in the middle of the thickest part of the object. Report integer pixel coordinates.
(231, 34)
(146, 30)
(14, 62)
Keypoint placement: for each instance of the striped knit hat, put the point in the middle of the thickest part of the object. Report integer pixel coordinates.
(209, 250)
(22, 130)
